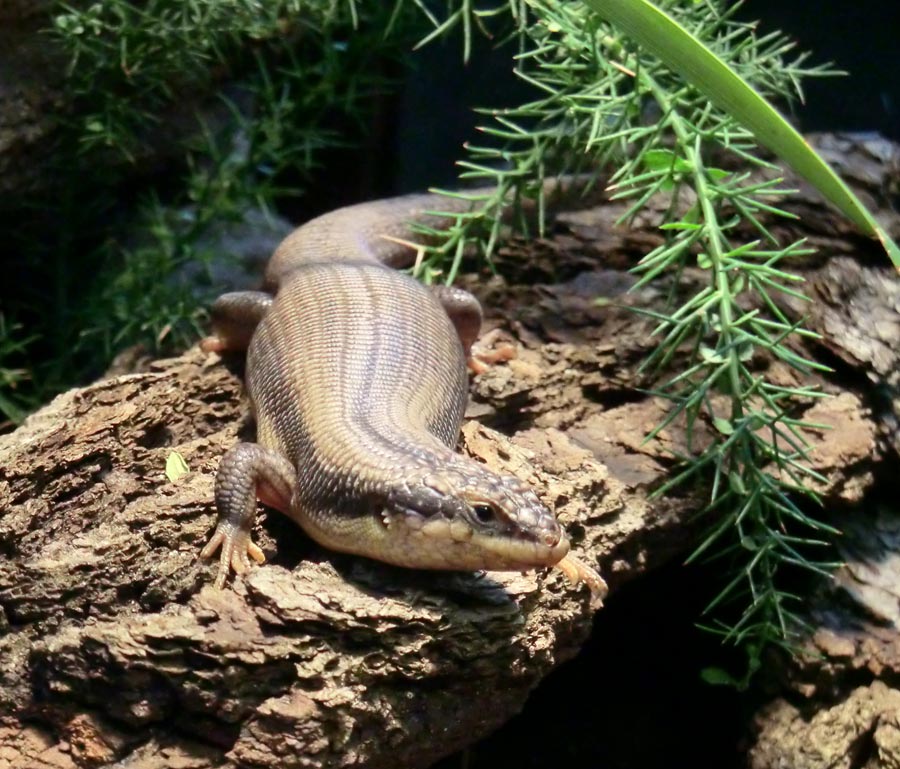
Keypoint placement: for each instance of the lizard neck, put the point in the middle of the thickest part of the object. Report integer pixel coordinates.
(368, 458)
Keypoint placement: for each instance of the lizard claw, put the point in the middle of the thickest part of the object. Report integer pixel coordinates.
(480, 359)
(577, 571)
(237, 550)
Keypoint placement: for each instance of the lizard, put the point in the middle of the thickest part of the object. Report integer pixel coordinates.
(357, 374)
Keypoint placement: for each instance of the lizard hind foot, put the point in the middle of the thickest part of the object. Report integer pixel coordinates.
(237, 550)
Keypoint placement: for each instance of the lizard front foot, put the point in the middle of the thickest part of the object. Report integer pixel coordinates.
(213, 343)
(481, 357)
(577, 571)
(246, 470)
(237, 550)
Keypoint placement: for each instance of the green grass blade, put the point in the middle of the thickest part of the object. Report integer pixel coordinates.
(665, 38)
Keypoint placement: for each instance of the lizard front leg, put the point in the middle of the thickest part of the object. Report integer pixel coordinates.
(235, 317)
(464, 311)
(247, 472)
(577, 571)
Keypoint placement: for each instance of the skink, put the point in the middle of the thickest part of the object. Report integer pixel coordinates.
(358, 377)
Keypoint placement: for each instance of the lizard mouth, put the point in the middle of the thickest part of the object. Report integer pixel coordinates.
(409, 539)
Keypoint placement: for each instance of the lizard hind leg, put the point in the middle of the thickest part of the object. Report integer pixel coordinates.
(235, 317)
(246, 471)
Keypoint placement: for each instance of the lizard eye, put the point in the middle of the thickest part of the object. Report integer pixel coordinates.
(484, 513)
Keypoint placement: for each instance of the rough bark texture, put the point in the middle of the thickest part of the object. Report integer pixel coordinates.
(114, 647)
(840, 707)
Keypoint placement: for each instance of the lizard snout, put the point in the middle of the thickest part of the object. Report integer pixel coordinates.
(552, 538)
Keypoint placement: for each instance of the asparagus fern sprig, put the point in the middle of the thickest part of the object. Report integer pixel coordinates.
(601, 100)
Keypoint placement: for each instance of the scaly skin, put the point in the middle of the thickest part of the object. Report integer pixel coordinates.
(358, 377)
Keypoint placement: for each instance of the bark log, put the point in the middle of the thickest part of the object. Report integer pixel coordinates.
(839, 701)
(114, 646)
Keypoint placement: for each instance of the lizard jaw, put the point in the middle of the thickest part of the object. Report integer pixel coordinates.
(408, 539)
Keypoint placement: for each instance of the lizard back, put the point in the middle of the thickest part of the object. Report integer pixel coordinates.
(352, 355)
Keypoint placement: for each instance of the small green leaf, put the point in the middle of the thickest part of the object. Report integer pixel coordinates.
(665, 160)
(176, 466)
(757, 421)
(723, 426)
(718, 677)
(737, 484)
(709, 355)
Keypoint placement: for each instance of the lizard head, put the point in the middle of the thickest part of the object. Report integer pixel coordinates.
(467, 517)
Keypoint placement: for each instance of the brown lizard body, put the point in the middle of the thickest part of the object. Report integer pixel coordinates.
(357, 374)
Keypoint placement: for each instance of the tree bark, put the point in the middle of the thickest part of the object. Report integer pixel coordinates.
(115, 647)
(839, 701)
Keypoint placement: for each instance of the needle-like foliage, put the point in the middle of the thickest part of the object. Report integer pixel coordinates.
(600, 101)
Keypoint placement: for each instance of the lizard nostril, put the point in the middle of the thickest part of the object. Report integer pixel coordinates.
(551, 538)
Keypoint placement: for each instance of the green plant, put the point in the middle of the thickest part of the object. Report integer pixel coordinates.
(130, 62)
(13, 347)
(105, 268)
(603, 100)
